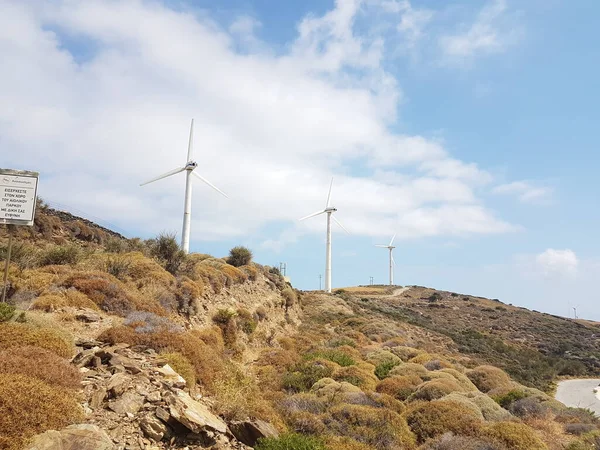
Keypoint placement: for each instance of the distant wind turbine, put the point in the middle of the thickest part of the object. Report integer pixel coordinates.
(392, 262)
(189, 168)
(329, 210)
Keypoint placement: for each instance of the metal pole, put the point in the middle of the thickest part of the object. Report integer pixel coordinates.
(328, 255)
(320, 276)
(7, 262)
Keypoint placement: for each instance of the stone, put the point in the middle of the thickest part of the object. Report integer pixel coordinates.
(88, 316)
(117, 384)
(97, 398)
(87, 343)
(152, 427)
(75, 437)
(171, 377)
(130, 402)
(162, 414)
(83, 358)
(250, 431)
(193, 415)
(153, 397)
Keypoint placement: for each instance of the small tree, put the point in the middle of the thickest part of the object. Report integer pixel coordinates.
(239, 256)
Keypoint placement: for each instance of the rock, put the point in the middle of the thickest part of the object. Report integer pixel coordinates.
(75, 437)
(88, 316)
(97, 398)
(117, 384)
(87, 343)
(153, 397)
(171, 377)
(83, 358)
(249, 432)
(152, 427)
(162, 414)
(193, 415)
(127, 363)
(130, 402)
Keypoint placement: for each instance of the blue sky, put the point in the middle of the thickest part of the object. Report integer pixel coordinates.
(467, 127)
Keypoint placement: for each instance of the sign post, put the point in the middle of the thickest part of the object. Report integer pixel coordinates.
(18, 195)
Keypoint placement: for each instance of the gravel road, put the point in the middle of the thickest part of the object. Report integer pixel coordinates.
(580, 393)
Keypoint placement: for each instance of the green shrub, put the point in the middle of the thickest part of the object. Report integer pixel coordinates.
(118, 266)
(166, 250)
(290, 441)
(239, 256)
(6, 311)
(304, 375)
(335, 355)
(505, 400)
(382, 370)
(245, 321)
(487, 378)
(61, 255)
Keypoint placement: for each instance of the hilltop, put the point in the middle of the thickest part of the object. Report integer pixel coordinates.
(119, 343)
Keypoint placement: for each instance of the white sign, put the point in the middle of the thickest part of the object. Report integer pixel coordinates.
(18, 191)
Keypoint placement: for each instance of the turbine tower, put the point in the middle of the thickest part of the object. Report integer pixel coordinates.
(189, 168)
(329, 210)
(392, 262)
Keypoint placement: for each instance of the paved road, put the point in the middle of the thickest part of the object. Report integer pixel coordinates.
(580, 394)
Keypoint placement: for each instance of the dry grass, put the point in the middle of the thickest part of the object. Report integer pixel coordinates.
(39, 363)
(435, 389)
(21, 334)
(399, 387)
(29, 406)
(67, 298)
(515, 436)
(182, 366)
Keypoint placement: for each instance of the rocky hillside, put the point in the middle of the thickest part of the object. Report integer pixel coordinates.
(109, 343)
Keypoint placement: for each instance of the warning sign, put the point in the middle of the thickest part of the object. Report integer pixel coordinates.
(18, 190)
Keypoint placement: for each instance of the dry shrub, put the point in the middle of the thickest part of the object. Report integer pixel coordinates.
(29, 406)
(423, 358)
(225, 320)
(182, 366)
(378, 427)
(36, 281)
(515, 436)
(233, 274)
(210, 276)
(250, 271)
(111, 294)
(458, 397)
(39, 363)
(279, 358)
(358, 376)
(430, 419)
(239, 398)
(405, 353)
(207, 361)
(487, 378)
(332, 390)
(303, 402)
(461, 378)
(435, 389)
(408, 369)
(345, 443)
(67, 298)
(211, 336)
(289, 296)
(381, 356)
(187, 294)
(304, 375)
(261, 313)
(449, 441)
(142, 269)
(245, 321)
(306, 423)
(21, 334)
(399, 387)
(489, 408)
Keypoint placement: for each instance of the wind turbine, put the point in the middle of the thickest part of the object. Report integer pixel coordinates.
(392, 262)
(189, 168)
(329, 210)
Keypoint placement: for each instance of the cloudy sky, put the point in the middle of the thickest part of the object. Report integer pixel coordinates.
(469, 128)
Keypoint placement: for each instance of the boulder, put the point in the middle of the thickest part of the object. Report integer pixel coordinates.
(75, 437)
(192, 414)
(128, 403)
(88, 316)
(250, 431)
(171, 377)
(152, 427)
(97, 398)
(117, 384)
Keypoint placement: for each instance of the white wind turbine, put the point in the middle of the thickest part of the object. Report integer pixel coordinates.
(329, 210)
(189, 168)
(392, 262)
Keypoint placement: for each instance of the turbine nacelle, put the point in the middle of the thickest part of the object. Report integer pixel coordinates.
(330, 209)
(191, 165)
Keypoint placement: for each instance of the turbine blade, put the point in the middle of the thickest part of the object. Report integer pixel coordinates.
(210, 184)
(339, 223)
(393, 261)
(329, 194)
(191, 142)
(312, 215)
(392, 241)
(382, 246)
(164, 175)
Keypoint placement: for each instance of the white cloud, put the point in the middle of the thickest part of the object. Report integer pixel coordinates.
(97, 95)
(525, 191)
(557, 263)
(493, 31)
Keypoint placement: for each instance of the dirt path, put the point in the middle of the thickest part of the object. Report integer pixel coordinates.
(580, 394)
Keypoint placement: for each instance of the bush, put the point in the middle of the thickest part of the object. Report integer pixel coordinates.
(146, 322)
(515, 436)
(487, 378)
(21, 335)
(261, 313)
(118, 266)
(358, 376)
(290, 441)
(335, 355)
(399, 387)
(6, 311)
(450, 441)
(245, 321)
(67, 298)
(435, 389)
(166, 250)
(23, 254)
(182, 366)
(30, 406)
(225, 320)
(345, 443)
(505, 400)
(61, 255)
(380, 428)
(39, 363)
(428, 420)
(303, 376)
(289, 296)
(239, 256)
(529, 407)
